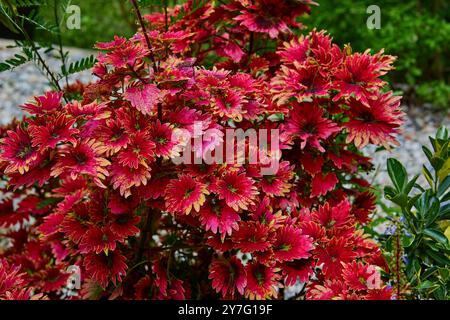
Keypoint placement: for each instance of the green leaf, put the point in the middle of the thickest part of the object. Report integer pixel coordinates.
(440, 293)
(80, 65)
(413, 267)
(276, 117)
(426, 285)
(438, 257)
(444, 273)
(395, 196)
(428, 207)
(446, 197)
(419, 187)
(443, 186)
(7, 14)
(412, 201)
(428, 175)
(407, 241)
(442, 133)
(411, 184)
(434, 144)
(444, 212)
(390, 192)
(437, 163)
(428, 153)
(444, 171)
(443, 153)
(28, 3)
(46, 202)
(436, 235)
(40, 24)
(397, 173)
(429, 272)
(14, 62)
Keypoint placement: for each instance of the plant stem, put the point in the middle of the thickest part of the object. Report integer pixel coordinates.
(300, 295)
(48, 73)
(148, 229)
(144, 30)
(44, 65)
(397, 263)
(160, 113)
(166, 20)
(250, 44)
(61, 51)
(166, 27)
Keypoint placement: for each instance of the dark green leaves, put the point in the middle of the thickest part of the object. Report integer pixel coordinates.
(424, 217)
(443, 186)
(402, 187)
(28, 3)
(13, 62)
(436, 235)
(80, 65)
(427, 206)
(397, 173)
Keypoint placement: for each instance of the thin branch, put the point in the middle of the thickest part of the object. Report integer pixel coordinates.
(397, 263)
(144, 234)
(250, 44)
(60, 46)
(144, 30)
(166, 18)
(44, 64)
(300, 294)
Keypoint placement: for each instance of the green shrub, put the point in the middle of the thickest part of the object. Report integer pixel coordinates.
(100, 21)
(417, 243)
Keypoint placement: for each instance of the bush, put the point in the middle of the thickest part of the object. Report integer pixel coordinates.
(418, 241)
(100, 21)
(98, 185)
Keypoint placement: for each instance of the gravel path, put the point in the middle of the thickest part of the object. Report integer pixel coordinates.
(23, 83)
(420, 123)
(20, 85)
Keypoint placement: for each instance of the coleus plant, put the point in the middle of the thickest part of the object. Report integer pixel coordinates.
(92, 183)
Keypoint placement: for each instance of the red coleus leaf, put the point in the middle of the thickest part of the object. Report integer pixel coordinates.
(323, 183)
(290, 244)
(232, 50)
(144, 98)
(104, 268)
(228, 276)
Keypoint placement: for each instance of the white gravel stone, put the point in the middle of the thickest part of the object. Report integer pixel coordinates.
(24, 82)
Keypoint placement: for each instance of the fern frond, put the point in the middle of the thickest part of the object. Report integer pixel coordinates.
(7, 14)
(14, 62)
(40, 24)
(28, 3)
(80, 65)
(147, 3)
